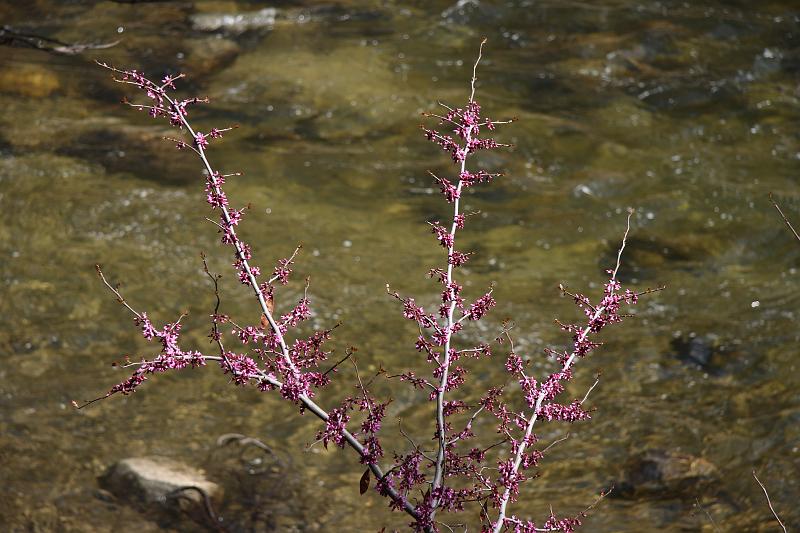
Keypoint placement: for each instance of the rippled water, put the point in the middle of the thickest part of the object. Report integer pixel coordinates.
(687, 113)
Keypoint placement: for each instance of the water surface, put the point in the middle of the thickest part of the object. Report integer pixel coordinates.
(687, 113)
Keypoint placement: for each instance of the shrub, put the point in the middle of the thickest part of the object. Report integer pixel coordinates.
(463, 471)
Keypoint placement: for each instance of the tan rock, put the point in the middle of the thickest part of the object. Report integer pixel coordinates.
(156, 479)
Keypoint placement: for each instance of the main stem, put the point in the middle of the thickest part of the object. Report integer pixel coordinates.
(439, 471)
(440, 392)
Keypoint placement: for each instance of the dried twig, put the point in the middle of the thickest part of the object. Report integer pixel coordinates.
(769, 502)
(796, 236)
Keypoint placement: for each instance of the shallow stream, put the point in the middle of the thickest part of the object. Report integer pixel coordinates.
(687, 112)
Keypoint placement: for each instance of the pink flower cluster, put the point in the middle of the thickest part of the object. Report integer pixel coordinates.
(172, 357)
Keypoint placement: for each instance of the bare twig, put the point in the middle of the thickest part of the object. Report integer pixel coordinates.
(475, 70)
(708, 515)
(115, 290)
(588, 392)
(347, 356)
(769, 502)
(12, 37)
(796, 236)
(557, 441)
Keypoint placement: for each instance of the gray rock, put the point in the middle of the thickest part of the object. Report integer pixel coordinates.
(155, 479)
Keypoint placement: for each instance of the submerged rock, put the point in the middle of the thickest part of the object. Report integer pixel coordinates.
(159, 480)
(140, 150)
(698, 350)
(648, 256)
(234, 22)
(209, 55)
(29, 80)
(267, 18)
(664, 474)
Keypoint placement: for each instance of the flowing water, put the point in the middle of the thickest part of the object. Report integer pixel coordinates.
(688, 113)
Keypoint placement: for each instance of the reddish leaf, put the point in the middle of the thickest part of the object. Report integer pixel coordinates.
(363, 485)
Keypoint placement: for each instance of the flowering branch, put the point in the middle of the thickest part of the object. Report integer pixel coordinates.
(437, 340)
(421, 483)
(606, 313)
(287, 373)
